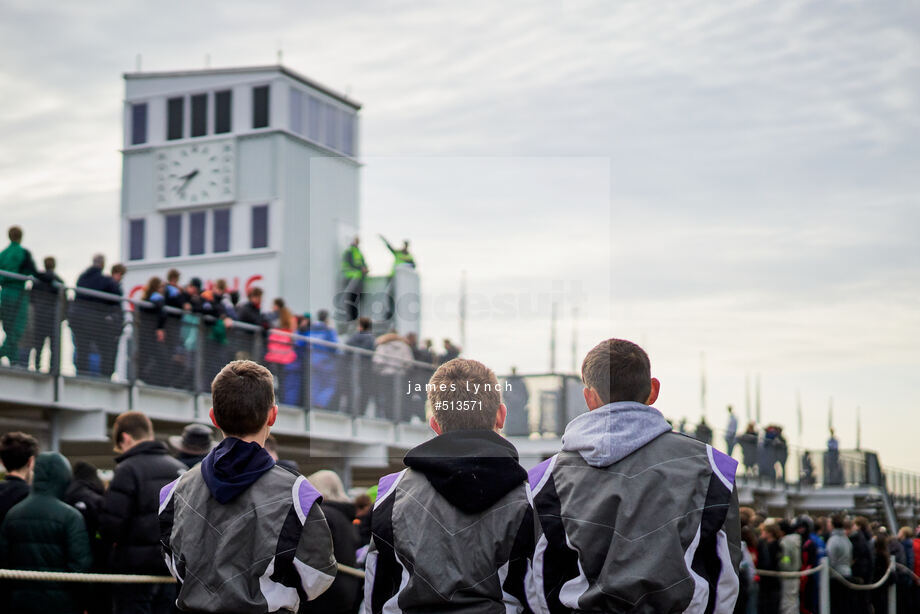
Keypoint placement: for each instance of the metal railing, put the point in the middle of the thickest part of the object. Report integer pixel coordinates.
(60, 330)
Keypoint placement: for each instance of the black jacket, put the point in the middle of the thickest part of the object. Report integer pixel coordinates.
(343, 596)
(94, 279)
(129, 514)
(862, 556)
(12, 491)
(46, 534)
(45, 292)
(249, 313)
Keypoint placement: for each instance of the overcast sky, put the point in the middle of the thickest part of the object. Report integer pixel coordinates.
(734, 180)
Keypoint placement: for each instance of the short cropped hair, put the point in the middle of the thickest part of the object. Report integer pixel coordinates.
(242, 393)
(134, 423)
(118, 269)
(618, 370)
(15, 234)
(457, 403)
(364, 323)
(172, 275)
(16, 449)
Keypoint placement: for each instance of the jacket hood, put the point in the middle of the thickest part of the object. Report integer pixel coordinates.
(613, 432)
(472, 469)
(233, 466)
(347, 509)
(52, 475)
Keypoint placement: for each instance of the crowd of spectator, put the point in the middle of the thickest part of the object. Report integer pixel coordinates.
(58, 516)
(858, 550)
(184, 331)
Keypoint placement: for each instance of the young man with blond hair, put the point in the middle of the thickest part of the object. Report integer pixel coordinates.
(634, 517)
(453, 531)
(240, 533)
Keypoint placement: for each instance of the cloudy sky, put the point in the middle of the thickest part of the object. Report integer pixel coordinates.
(732, 185)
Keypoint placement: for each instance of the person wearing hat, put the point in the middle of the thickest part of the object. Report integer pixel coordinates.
(193, 445)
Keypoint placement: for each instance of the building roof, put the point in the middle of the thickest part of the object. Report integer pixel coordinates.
(266, 68)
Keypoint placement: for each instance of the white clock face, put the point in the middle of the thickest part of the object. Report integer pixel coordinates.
(195, 174)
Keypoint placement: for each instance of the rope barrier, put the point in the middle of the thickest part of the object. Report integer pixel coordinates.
(915, 577)
(861, 587)
(787, 574)
(112, 578)
(60, 576)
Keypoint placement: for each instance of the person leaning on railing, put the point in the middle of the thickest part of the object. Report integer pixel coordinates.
(14, 300)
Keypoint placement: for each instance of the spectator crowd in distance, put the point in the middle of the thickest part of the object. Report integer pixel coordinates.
(183, 332)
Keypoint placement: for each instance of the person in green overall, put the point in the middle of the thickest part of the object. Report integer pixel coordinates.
(14, 299)
(354, 270)
(400, 256)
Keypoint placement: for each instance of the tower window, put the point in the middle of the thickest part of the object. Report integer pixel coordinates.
(259, 226)
(260, 106)
(199, 115)
(174, 118)
(173, 235)
(139, 123)
(196, 232)
(221, 230)
(222, 111)
(136, 240)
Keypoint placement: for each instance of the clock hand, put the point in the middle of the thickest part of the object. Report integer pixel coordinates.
(188, 177)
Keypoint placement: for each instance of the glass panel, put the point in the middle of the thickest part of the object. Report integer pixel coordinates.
(260, 106)
(222, 111)
(296, 112)
(196, 232)
(199, 115)
(259, 226)
(174, 110)
(139, 123)
(173, 235)
(136, 240)
(314, 119)
(222, 230)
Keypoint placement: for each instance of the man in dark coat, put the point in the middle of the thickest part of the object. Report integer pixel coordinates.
(95, 320)
(46, 292)
(17, 453)
(129, 515)
(354, 389)
(44, 533)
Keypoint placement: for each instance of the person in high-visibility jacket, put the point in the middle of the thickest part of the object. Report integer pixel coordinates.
(400, 256)
(354, 270)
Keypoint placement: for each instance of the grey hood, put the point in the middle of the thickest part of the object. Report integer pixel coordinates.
(612, 432)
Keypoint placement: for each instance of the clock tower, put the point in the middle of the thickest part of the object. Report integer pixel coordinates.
(247, 174)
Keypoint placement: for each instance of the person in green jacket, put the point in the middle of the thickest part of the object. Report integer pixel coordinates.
(400, 256)
(14, 300)
(43, 533)
(354, 270)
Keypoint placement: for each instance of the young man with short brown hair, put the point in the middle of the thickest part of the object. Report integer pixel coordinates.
(634, 517)
(454, 531)
(239, 522)
(17, 453)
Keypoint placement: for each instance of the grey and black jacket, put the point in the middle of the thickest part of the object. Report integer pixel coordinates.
(634, 518)
(242, 534)
(454, 531)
